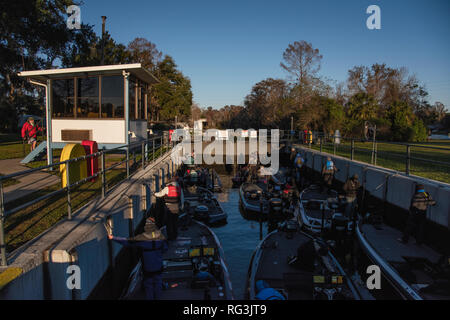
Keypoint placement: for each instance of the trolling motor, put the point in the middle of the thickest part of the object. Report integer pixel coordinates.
(275, 213)
(339, 222)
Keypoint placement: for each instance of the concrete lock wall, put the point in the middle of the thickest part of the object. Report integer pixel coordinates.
(394, 187)
(83, 241)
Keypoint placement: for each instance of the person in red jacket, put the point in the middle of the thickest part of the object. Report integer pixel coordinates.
(29, 132)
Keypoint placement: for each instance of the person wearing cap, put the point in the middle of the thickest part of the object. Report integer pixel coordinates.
(328, 171)
(417, 218)
(351, 188)
(152, 244)
(29, 132)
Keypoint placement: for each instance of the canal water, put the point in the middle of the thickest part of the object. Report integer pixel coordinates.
(239, 238)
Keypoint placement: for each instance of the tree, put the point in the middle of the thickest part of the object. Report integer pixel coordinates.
(145, 52)
(387, 85)
(33, 35)
(267, 103)
(362, 107)
(301, 61)
(173, 95)
(418, 131)
(86, 50)
(83, 49)
(322, 114)
(401, 118)
(439, 110)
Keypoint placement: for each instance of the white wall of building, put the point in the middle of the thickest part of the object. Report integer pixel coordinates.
(103, 131)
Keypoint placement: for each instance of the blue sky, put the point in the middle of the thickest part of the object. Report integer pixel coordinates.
(225, 47)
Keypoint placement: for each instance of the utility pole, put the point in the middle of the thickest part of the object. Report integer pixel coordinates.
(103, 40)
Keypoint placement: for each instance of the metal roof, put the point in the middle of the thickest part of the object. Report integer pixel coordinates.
(135, 69)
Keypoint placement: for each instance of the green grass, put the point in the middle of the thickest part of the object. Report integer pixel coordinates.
(393, 156)
(28, 223)
(9, 182)
(14, 148)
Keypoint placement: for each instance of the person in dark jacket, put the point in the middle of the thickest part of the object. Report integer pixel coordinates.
(152, 244)
(417, 218)
(173, 197)
(328, 171)
(351, 189)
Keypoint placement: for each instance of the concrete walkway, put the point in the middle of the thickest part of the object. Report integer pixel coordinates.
(27, 183)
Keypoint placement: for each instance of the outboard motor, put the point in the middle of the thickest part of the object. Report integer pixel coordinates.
(339, 226)
(201, 213)
(275, 213)
(276, 191)
(253, 195)
(290, 227)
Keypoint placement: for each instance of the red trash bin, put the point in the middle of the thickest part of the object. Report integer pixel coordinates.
(92, 163)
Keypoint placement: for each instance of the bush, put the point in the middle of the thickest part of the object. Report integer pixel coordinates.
(417, 132)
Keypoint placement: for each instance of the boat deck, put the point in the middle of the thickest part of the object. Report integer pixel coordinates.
(392, 250)
(273, 266)
(417, 265)
(179, 272)
(315, 194)
(317, 214)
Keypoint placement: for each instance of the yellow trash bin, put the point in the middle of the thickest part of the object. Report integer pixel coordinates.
(78, 169)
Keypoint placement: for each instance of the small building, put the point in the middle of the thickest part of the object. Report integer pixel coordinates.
(108, 104)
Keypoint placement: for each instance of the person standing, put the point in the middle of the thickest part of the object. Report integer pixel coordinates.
(152, 245)
(299, 162)
(173, 204)
(29, 132)
(417, 218)
(328, 171)
(351, 189)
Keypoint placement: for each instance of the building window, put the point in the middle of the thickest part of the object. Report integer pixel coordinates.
(112, 97)
(141, 102)
(63, 98)
(87, 98)
(132, 98)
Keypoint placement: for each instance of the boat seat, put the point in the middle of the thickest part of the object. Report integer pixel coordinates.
(299, 281)
(298, 286)
(201, 284)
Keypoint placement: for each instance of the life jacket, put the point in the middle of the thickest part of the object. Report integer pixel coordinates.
(299, 161)
(174, 191)
(330, 165)
(310, 136)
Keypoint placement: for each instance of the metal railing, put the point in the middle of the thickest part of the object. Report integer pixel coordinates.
(403, 154)
(155, 145)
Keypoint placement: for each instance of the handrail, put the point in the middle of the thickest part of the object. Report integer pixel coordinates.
(99, 153)
(406, 154)
(145, 151)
